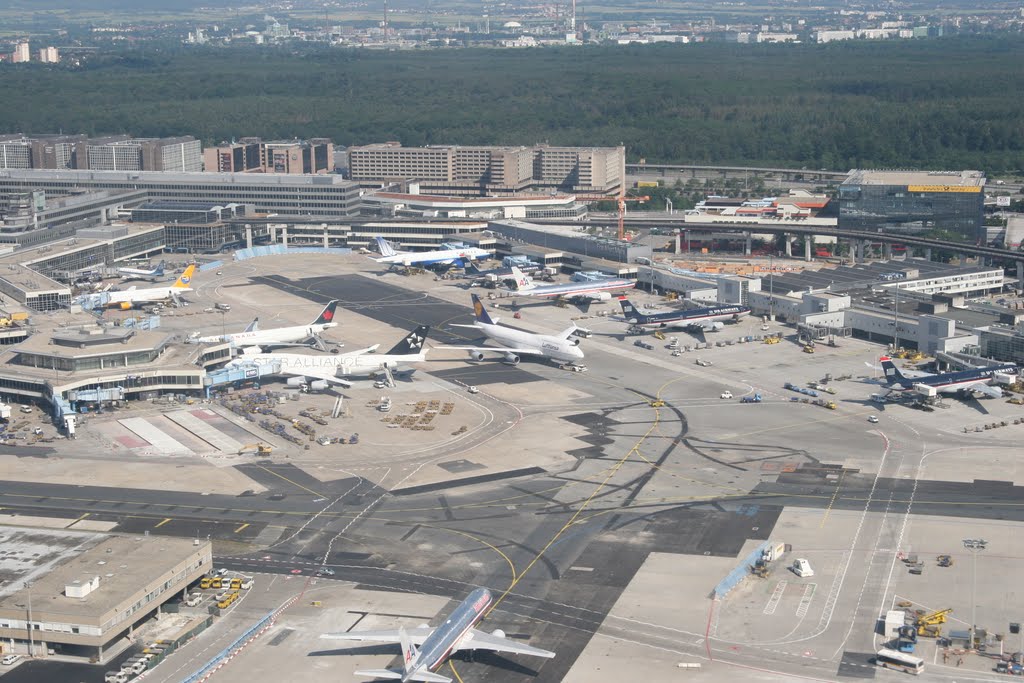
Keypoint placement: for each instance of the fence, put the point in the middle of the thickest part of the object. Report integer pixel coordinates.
(733, 578)
(225, 655)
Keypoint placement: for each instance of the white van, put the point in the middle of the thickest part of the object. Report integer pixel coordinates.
(802, 568)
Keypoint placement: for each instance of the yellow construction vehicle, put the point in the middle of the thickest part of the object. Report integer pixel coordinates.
(771, 340)
(256, 448)
(658, 334)
(930, 624)
(808, 349)
(831, 405)
(657, 403)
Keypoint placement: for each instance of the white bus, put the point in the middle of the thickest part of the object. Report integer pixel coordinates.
(892, 659)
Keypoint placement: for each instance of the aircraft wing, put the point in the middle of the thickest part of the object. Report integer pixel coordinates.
(324, 375)
(416, 636)
(389, 675)
(479, 640)
(994, 392)
(495, 349)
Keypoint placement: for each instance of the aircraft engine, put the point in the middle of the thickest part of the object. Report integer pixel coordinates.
(126, 305)
(476, 355)
(511, 359)
(601, 296)
(498, 633)
(424, 625)
(716, 326)
(575, 341)
(318, 385)
(295, 381)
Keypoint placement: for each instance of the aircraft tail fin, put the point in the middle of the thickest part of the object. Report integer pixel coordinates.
(412, 344)
(409, 653)
(253, 326)
(185, 279)
(385, 247)
(892, 373)
(327, 315)
(630, 311)
(480, 312)
(159, 270)
(523, 281)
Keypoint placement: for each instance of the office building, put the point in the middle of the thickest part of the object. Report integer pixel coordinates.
(914, 202)
(148, 154)
(78, 592)
(490, 171)
(233, 157)
(41, 151)
(252, 155)
(288, 195)
(21, 54)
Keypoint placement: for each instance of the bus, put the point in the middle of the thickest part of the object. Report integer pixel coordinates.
(891, 659)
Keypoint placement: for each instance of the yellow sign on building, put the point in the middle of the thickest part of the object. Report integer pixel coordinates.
(943, 188)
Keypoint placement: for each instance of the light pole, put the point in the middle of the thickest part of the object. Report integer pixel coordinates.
(28, 623)
(975, 546)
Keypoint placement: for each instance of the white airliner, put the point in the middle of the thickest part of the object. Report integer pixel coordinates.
(280, 336)
(563, 347)
(132, 297)
(599, 289)
(138, 273)
(425, 649)
(320, 371)
(457, 256)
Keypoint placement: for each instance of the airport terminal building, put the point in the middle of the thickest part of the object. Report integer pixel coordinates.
(78, 593)
(914, 202)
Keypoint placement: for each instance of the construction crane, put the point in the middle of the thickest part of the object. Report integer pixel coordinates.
(620, 201)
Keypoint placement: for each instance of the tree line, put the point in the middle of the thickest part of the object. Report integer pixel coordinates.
(935, 104)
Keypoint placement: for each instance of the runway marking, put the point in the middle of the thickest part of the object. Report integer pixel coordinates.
(572, 520)
(828, 510)
(805, 601)
(773, 601)
(481, 541)
(241, 527)
(166, 519)
(293, 483)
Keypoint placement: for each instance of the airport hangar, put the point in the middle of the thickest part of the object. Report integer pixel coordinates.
(79, 593)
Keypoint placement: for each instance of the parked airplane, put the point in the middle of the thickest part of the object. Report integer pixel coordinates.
(138, 273)
(128, 298)
(320, 371)
(591, 290)
(475, 273)
(425, 649)
(708, 319)
(978, 379)
(281, 336)
(444, 256)
(562, 348)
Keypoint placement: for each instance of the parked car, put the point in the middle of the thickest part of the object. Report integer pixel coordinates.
(872, 418)
(10, 659)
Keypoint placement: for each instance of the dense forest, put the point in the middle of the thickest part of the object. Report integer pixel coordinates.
(948, 103)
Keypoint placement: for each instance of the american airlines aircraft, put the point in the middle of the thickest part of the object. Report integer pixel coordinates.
(425, 649)
(456, 256)
(280, 336)
(703, 319)
(138, 273)
(978, 379)
(561, 347)
(320, 371)
(129, 298)
(593, 290)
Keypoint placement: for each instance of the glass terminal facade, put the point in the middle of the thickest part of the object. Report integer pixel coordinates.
(912, 209)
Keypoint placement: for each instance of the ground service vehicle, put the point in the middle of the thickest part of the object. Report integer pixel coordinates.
(892, 659)
(205, 582)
